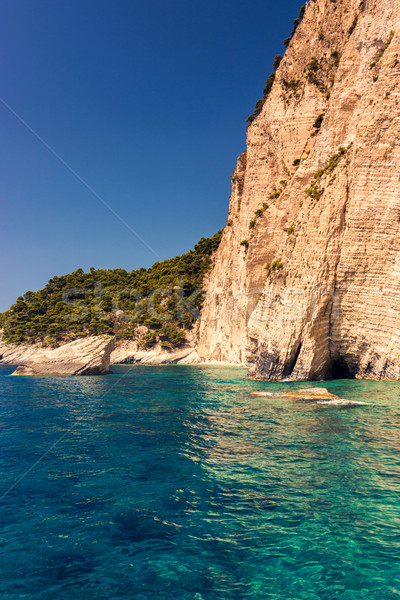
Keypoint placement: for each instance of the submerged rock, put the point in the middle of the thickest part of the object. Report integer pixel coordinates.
(318, 395)
(90, 356)
(304, 394)
(310, 394)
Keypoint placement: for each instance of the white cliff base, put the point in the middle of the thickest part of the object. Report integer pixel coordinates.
(89, 356)
(129, 353)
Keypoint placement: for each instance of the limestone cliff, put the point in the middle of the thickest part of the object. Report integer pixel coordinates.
(306, 281)
(89, 356)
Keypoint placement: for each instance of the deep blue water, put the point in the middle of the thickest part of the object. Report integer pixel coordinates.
(173, 483)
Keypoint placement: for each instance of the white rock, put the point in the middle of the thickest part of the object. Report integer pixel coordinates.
(88, 356)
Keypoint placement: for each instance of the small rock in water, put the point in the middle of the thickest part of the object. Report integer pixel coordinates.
(318, 395)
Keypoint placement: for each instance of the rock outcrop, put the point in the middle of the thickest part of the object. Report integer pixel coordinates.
(128, 353)
(313, 395)
(89, 356)
(306, 282)
(308, 394)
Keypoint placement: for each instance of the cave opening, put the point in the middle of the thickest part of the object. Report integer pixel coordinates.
(292, 363)
(340, 370)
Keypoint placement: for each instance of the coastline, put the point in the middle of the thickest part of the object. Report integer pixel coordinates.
(124, 353)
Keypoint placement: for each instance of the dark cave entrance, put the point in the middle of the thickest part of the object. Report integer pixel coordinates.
(340, 370)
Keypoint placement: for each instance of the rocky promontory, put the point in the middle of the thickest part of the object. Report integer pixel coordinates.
(89, 356)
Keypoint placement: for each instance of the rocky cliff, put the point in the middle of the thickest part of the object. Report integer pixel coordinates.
(89, 356)
(306, 282)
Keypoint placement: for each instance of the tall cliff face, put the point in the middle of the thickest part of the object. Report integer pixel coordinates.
(306, 280)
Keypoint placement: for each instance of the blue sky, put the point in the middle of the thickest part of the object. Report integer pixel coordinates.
(146, 102)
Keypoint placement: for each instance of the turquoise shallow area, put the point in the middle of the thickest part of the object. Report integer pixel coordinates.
(175, 483)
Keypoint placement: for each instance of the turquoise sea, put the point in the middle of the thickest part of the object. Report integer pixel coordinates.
(174, 483)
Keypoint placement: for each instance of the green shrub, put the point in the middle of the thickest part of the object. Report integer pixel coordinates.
(353, 25)
(277, 61)
(318, 121)
(382, 52)
(148, 340)
(171, 336)
(336, 56)
(260, 103)
(315, 191)
(293, 85)
(296, 23)
(296, 162)
(245, 243)
(277, 265)
(275, 195)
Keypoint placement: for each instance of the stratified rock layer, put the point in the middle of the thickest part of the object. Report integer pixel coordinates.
(314, 288)
(89, 356)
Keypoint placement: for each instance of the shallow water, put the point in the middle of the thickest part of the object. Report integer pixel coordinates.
(175, 483)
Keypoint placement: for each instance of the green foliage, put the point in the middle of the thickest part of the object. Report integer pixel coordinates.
(277, 265)
(277, 61)
(245, 243)
(260, 211)
(296, 162)
(271, 79)
(290, 229)
(81, 304)
(313, 68)
(3, 317)
(171, 337)
(353, 25)
(296, 23)
(260, 103)
(317, 123)
(382, 52)
(239, 180)
(336, 56)
(314, 64)
(275, 195)
(148, 340)
(292, 85)
(315, 191)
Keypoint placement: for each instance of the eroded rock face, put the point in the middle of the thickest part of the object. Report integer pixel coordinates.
(316, 292)
(89, 356)
(128, 353)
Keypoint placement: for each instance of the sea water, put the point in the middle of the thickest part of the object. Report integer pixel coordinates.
(175, 483)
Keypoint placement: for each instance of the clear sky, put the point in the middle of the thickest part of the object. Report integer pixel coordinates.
(146, 102)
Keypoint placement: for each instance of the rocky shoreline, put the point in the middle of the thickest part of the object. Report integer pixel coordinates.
(88, 356)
